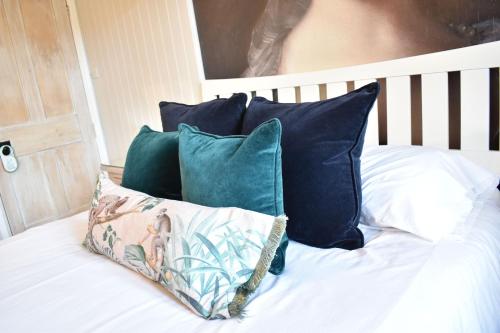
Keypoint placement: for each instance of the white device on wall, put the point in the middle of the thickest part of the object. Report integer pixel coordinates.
(8, 157)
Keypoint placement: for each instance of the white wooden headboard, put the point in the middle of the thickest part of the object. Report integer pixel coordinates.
(447, 99)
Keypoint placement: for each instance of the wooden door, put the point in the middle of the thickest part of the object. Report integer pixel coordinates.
(44, 113)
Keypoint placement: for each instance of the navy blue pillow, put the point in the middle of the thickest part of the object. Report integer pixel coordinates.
(321, 148)
(221, 116)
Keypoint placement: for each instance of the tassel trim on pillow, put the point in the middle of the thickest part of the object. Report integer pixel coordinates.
(267, 255)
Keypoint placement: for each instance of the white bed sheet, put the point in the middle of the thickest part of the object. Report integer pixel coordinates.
(396, 283)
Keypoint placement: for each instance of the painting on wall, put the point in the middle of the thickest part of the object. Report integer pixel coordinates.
(241, 38)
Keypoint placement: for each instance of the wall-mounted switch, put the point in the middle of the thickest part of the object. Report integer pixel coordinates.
(8, 157)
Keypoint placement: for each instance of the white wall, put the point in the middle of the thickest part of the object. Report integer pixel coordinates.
(139, 53)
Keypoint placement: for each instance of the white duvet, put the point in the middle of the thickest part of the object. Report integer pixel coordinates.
(396, 283)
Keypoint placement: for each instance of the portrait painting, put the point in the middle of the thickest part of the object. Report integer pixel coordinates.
(241, 38)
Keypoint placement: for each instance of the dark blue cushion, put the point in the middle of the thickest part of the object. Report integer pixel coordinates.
(322, 144)
(221, 116)
(235, 171)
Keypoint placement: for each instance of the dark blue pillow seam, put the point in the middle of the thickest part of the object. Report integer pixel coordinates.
(278, 146)
(365, 121)
(165, 103)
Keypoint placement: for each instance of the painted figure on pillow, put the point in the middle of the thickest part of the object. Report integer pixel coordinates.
(160, 232)
(108, 204)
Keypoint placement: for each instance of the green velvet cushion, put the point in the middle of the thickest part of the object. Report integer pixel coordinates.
(152, 164)
(235, 171)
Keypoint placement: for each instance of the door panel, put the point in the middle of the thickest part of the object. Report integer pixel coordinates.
(43, 135)
(33, 191)
(12, 108)
(75, 175)
(43, 44)
(44, 114)
(25, 70)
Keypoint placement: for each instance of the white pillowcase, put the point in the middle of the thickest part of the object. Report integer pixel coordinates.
(425, 191)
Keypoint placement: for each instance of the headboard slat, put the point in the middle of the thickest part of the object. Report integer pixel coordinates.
(266, 93)
(435, 110)
(286, 95)
(309, 93)
(336, 89)
(398, 110)
(249, 96)
(475, 109)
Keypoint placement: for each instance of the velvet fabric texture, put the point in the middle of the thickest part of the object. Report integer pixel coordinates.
(221, 116)
(235, 171)
(152, 164)
(322, 144)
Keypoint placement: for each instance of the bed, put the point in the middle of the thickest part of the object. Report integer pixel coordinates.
(397, 282)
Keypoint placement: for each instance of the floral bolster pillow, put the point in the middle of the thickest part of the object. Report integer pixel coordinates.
(211, 259)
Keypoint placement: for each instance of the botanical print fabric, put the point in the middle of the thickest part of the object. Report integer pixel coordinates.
(212, 259)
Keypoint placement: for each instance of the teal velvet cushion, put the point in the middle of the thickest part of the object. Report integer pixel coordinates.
(152, 164)
(235, 171)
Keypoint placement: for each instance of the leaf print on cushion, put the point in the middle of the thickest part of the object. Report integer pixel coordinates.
(211, 259)
(135, 256)
(194, 303)
(135, 253)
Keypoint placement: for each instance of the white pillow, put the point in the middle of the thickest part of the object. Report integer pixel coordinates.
(425, 191)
